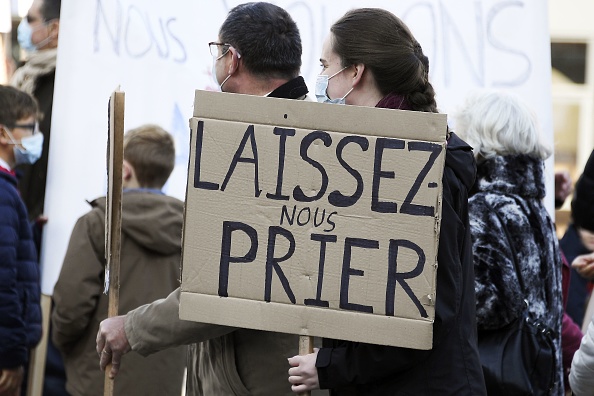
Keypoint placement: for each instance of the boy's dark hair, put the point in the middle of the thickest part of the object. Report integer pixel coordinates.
(15, 105)
(50, 9)
(266, 37)
(151, 152)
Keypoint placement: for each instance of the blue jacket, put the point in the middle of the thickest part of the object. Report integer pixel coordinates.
(20, 311)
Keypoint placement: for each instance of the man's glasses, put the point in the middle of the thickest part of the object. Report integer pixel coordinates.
(214, 49)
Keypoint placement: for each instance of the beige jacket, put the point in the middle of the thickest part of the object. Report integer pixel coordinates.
(222, 361)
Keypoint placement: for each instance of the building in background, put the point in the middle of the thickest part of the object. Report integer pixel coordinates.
(572, 37)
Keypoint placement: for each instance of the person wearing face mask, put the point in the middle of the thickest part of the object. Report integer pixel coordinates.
(322, 89)
(224, 360)
(20, 310)
(371, 58)
(241, 64)
(38, 36)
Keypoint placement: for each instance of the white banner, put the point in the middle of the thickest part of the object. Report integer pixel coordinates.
(158, 53)
(5, 17)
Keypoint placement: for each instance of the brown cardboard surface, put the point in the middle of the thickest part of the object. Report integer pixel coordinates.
(370, 253)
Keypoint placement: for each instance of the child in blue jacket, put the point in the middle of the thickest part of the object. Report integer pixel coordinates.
(20, 311)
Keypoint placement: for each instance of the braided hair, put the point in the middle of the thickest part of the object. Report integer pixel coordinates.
(385, 45)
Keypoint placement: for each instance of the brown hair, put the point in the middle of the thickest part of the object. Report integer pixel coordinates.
(384, 44)
(15, 105)
(151, 152)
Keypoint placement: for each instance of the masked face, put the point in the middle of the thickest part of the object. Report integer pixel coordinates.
(29, 150)
(322, 89)
(213, 73)
(218, 52)
(24, 33)
(214, 76)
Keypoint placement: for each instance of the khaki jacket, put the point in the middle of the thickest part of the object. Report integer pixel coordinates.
(222, 361)
(150, 269)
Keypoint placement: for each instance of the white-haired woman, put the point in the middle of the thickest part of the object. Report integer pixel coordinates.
(509, 224)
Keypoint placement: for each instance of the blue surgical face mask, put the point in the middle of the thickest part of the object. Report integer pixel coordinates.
(322, 89)
(31, 150)
(24, 33)
(214, 76)
(24, 37)
(214, 71)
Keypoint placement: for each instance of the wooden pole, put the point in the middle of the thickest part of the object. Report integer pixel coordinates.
(39, 353)
(305, 348)
(113, 212)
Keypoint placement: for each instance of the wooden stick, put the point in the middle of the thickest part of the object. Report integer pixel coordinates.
(39, 353)
(113, 212)
(305, 347)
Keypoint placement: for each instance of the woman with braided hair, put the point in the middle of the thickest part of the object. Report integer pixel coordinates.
(371, 58)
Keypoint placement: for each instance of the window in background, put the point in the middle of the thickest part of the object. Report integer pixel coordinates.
(570, 60)
(572, 118)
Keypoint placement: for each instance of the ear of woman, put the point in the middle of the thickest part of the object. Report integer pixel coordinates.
(359, 69)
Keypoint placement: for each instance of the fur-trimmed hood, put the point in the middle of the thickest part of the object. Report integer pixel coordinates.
(513, 174)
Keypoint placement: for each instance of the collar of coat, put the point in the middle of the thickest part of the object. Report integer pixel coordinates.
(292, 89)
(513, 174)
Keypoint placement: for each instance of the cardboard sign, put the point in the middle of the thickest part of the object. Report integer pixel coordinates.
(313, 219)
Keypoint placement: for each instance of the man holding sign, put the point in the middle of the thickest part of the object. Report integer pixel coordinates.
(372, 59)
(224, 363)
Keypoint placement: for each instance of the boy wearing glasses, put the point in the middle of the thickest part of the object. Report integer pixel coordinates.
(20, 311)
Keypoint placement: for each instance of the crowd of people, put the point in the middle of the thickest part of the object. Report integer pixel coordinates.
(499, 260)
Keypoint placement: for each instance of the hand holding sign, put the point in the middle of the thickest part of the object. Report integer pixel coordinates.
(303, 374)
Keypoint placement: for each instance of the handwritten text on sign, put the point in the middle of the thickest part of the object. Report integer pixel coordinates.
(313, 217)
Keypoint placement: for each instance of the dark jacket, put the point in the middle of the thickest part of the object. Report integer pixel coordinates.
(452, 366)
(571, 334)
(20, 312)
(582, 214)
(572, 246)
(149, 269)
(510, 224)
